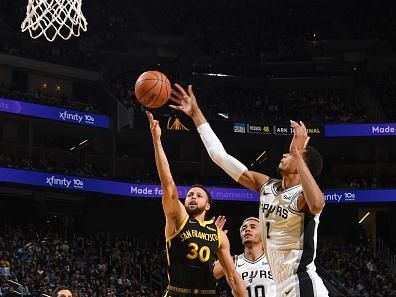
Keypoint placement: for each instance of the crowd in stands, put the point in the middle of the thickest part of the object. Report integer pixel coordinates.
(384, 92)
(269, 31)
(40, 96)
(277, 106)
(36, 258)
(93, 266)
(63, 54)
(357, 267)
(269, 106)
(378, 21)
(143, 171)
(262, 37)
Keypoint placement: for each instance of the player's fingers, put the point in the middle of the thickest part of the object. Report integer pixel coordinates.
(303, 127)
(294, 124)
(181, 90)
(154, 124)
(175, 107)
(225, 231)
(190, 91)
(306, 142)
(176, 94)
(149, 116)
(176, 100)
(220, 222)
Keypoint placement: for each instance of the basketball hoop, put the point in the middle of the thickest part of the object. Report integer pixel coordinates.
(53, 18)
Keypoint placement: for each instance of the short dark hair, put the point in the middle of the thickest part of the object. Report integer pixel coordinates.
(58, 289)
(314, 160)
(210, 200)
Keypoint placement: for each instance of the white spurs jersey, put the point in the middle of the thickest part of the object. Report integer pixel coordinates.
(256, 276)
(290, 239)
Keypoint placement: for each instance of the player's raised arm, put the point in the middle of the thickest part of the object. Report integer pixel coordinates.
(218, 270)
(187, 103)
(174, 210)
(234, 279)
(312, 194)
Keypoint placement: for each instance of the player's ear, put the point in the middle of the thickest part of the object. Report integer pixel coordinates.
(207, 206)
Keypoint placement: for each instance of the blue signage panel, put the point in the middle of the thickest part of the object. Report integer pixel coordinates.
(67, 182)
(54, 113)
(361, 130)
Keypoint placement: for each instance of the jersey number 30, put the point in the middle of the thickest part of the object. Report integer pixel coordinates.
(203, 253)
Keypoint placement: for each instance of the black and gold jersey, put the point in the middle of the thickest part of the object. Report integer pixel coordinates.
(191, 253)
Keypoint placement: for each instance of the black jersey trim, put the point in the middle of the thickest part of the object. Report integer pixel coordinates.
(204, 223)
(178, 230)
(253, 262)
(307, 256)
(305, 284)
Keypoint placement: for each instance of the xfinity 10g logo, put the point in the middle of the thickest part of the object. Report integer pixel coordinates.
(64, 182)
(89, 119)
(76, 117)
(67, 116)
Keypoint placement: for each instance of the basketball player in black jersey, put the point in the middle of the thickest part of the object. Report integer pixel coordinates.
(289, 207)
(191, 242)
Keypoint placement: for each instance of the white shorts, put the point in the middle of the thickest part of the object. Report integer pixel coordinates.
(303, 284)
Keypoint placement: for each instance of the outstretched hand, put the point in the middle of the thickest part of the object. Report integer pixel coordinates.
(300, 137)
(220, 222)
(154, 125)
(185, 101)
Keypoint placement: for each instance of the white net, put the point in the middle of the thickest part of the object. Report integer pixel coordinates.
(53, 18)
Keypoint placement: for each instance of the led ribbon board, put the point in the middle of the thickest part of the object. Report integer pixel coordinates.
(54, 113)
(67, 183)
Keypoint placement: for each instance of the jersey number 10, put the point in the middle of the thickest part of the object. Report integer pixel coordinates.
(259, 291)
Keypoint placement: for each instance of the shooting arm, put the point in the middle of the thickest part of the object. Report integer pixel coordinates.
(233, 167)
(173, 208)
(312, 194)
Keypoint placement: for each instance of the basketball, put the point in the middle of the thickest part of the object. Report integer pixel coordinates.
(152, 89)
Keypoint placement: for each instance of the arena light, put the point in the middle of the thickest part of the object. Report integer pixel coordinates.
(364, 217)
(223, 115)
(79, 146)
(217, 74)
(213, 74)
(83, 142)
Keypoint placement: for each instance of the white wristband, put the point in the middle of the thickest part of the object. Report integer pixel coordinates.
(218, 154)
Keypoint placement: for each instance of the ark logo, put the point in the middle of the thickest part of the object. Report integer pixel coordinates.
(66, 116)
